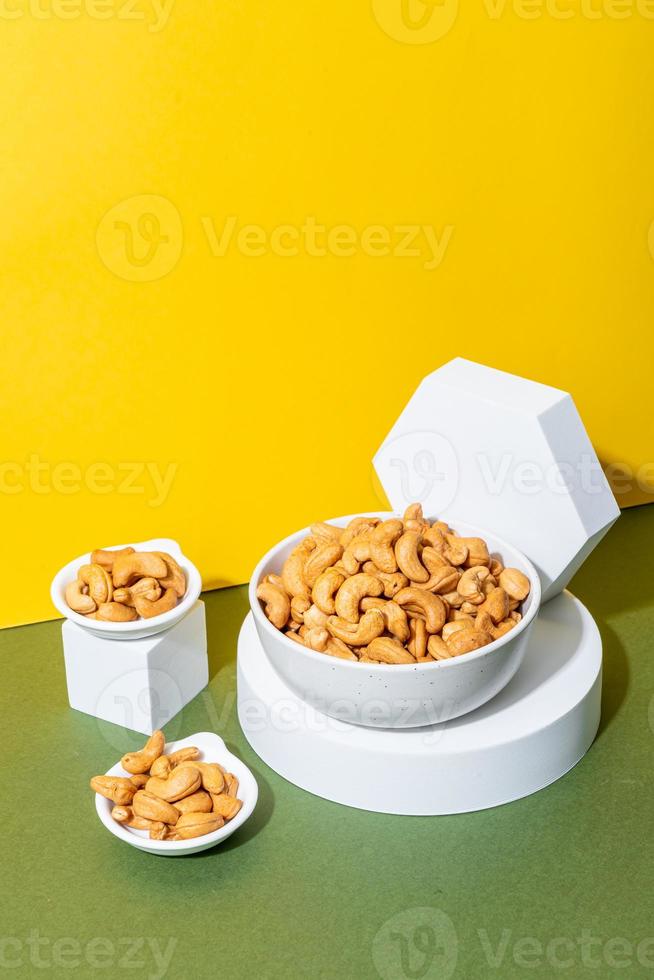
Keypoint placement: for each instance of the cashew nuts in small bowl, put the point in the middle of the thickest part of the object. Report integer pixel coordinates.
(133, 584)
(212, 749)
(403, 627)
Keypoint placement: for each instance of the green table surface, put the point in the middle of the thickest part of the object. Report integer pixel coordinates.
(558, 884)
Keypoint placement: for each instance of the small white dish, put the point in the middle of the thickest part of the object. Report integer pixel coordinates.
(139, 627)
(212, 749)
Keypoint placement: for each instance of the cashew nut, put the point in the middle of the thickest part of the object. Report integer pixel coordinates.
(320, 559)
(199, 802)
(327, 583)
(434, 538)
(212, 775)
(293, 572)
(382, 540)
(459, 624)
(515, 583)
(471, 584)
(392, 581)
(118, 789)
(226, 806)
(175, 577)
(106, 557)
(181, 782)
(443, 577)
(99, 582)
(336, 648)
(495, 567)
(357, 526)
(370, 626)
(496, 604)
(299, 605)
(417, 645)
(147, 608)
(277, 604)
(142, 761)
(77, 598)
(126, 816)
(357, 552)
(152, 807)
(466, 640)
(477, 551)
(141, 564)
(326, 532)
(316, 638)
(455, 551)
(432, 606)
(504, 627)
(413, 513)
(192, 825)
(314, 617)
(437, 648)
(396, 620)
(414, 519)
(116, 612)
(352, 592)
(385, 650)
(163, 766)
(148, 587)
(406, 553)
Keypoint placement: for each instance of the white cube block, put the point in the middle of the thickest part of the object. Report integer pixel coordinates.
(139, 684)
(508, 454)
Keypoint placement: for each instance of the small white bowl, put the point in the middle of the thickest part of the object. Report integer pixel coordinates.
(213, 749)
(138, 628)
(401, 695)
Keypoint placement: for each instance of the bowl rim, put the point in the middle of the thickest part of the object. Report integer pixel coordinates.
(237, 766)
(142, 627)
(449, 664)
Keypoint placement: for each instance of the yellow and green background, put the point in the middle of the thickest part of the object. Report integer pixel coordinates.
(236, 235)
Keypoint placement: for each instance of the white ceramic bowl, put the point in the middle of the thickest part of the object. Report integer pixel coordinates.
(139, 627)
(213, 750)
(403, 695)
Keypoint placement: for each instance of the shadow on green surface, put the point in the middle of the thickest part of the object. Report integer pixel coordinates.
(224, 620)
(615, 676)
(616, 581)
(619, 575)
(260, 817)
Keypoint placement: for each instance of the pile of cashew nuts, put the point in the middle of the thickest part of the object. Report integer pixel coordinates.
(393, 592)
(173, 797)
(119, 586)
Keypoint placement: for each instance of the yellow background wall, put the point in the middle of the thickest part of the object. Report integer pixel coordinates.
(163, 375)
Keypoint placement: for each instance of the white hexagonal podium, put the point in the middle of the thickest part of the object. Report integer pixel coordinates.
(480, 446)
(512, 455)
